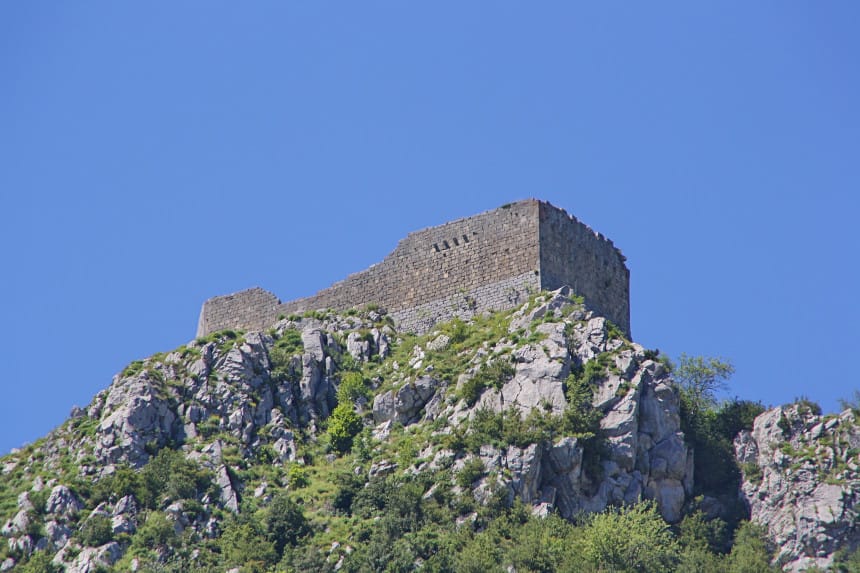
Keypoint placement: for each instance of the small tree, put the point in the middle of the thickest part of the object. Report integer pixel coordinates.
(634, 539)
(750, 552)
(285, 523)
(96, 531)
(700, 378)
(343, 425)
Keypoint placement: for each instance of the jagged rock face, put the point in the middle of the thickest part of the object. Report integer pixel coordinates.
(226, 400)
(802, 481)
(231, 387)
(646, 456)
(405, 404)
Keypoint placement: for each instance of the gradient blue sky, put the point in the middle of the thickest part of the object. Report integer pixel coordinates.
(155, 154)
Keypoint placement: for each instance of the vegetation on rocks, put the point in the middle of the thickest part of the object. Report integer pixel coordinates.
(537, 439)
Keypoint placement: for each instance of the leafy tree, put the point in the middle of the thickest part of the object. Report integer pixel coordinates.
(96, 531)
(348, 486)
(245, 545)
(700, 560)
(544, 545)
(736, 415)
(156, 532)
(750, 552)
(124, 481)
(40, 562)
(634, 539)
(352, 388)
(168, 475)
(711, 428)
(343, 425)
(700, 378)
(698, 532)
(285, 523)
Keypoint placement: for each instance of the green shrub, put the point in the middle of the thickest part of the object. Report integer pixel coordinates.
(343, 425)
(352, 387)
(491, 374)
(752, 472)
(750, 551)
(280, 355)
(245, 544)
(505, 428)
(736, 415)
(96, 531)
(630, 539)
(169, 475)
(471, 472)
(807, 407)
(285, 523)
(698, 532)
(297, 477)
(40, 562)
(156, 532)
(38, 499)
(581, 418)
(348, 486)
(135, 367)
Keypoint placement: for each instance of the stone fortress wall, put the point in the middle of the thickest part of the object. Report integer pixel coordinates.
(572, 254)
(490, 261)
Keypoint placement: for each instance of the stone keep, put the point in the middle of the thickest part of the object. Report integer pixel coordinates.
(490, 261)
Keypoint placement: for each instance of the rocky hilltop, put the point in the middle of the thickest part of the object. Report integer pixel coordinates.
(333, 442)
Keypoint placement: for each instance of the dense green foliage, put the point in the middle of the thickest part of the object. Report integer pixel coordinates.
(168, 476)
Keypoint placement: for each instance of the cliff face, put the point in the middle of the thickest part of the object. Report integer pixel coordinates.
(802, 482)
(549, 405)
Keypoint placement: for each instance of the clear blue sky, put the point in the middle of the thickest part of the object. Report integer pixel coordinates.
(155, 154)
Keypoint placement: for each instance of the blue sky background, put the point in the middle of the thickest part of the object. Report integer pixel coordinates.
(155, 154)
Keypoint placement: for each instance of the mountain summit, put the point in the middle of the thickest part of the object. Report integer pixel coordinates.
(531, 436)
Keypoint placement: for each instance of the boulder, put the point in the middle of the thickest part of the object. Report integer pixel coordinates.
(62, 502)
(406, 403)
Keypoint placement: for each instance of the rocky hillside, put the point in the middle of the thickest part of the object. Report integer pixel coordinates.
(332, 442)
(802, 480)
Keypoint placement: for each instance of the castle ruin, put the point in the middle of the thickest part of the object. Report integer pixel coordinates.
(490, 261)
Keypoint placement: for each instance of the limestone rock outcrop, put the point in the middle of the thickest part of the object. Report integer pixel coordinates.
(645, 453)
(801, 479)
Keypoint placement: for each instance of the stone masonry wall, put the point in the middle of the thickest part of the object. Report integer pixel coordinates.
(252, 309)
(500, 295)
(436, 264)
(490, 261)
(572, 254)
